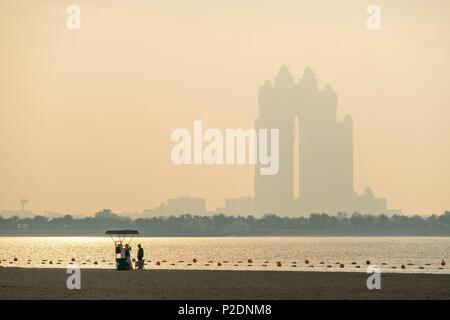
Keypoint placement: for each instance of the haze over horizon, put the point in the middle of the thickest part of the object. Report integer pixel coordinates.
(86, 115)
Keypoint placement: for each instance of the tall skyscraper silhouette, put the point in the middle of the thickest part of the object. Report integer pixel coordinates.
(325, 175)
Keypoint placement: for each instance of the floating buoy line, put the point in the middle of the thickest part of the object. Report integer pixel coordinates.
(243, 264)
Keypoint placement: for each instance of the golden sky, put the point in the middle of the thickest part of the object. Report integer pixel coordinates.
(86, 115)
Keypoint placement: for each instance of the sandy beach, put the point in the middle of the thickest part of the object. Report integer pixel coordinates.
(24, 283)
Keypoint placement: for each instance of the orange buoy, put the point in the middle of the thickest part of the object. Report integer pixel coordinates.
(403, 266)
(278, 264)
(219, 264)
(194, 260)
(250, 261)
(306, 261)
(443, 263)
(368, 262)
(341, 265)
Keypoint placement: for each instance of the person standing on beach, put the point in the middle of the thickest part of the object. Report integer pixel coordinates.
(140, 257)
(128, 255)
(120, 249)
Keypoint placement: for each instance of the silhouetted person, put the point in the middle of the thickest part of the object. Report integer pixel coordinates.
(120, 250)
(128, 255)
(140, 257)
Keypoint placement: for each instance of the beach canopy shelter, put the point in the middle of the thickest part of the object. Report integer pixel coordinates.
(121, 235)
(119, 238)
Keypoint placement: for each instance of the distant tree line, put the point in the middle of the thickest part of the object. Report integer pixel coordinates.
(224, 225)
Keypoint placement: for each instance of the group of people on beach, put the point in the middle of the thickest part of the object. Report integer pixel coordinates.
(125, 253)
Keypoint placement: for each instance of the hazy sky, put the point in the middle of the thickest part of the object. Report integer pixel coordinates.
(86, 116)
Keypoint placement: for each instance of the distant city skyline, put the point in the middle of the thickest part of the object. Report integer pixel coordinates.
(315, 153)
(86, 115)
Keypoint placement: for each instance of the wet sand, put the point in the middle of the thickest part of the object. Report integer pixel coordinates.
(24, 283)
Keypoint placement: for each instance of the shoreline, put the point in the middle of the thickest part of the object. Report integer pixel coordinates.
(304, 235)
(39, 283)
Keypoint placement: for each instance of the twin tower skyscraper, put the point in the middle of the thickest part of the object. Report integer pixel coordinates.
(315, 151)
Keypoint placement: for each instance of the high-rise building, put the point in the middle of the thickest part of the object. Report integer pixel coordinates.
(300, 110)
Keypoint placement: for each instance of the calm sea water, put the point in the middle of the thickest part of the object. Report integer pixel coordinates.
(323, 253)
